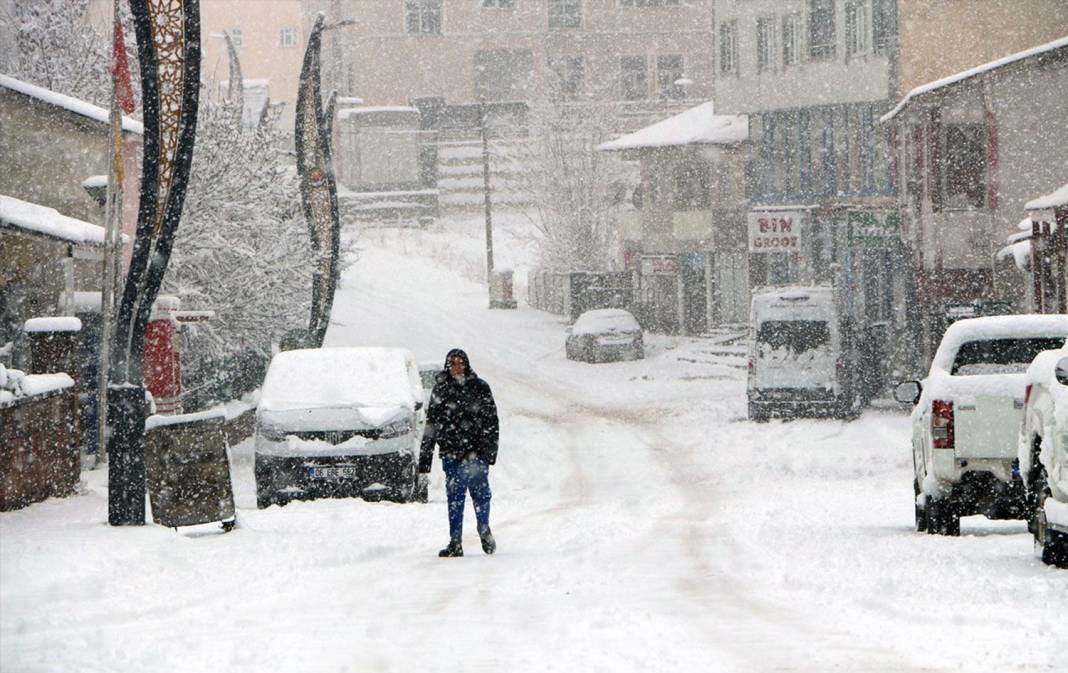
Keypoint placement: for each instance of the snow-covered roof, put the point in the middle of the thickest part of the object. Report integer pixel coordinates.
(354, 111)
(60, 323)
(696, 126)
(75, 105)
(960, 76)
(48, 221)
(1055, 200)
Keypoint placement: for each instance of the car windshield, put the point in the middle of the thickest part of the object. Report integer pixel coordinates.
(1001, 356)
(797, 336)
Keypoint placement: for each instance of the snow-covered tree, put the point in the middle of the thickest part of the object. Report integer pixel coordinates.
(242, 248)
(58, 45)
(576, 190)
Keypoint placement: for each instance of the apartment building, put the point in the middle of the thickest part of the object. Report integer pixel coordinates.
(646, 54)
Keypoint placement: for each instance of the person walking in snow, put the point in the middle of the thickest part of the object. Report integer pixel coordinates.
(462, 421)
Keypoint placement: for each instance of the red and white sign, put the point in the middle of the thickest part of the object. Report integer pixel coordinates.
(659, 264)
(776, 231)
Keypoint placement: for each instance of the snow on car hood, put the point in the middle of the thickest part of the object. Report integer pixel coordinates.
(338, 388)
(331, 418)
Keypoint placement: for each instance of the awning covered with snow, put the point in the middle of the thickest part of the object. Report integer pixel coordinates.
(1057, 199)
(75, 105)
(37, 219)
(696, 126)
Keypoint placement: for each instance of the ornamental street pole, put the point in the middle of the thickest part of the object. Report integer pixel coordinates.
(168, 49)
(486, 191)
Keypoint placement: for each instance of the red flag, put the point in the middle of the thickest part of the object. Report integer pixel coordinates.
(120, 72)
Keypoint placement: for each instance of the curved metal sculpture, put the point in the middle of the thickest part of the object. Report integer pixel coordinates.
(318, 189)
(168, 47)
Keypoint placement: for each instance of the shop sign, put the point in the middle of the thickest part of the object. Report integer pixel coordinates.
(659, 264)
(874, 228)
(778, 231)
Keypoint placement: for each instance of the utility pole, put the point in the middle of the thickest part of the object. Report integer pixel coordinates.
(486, 190)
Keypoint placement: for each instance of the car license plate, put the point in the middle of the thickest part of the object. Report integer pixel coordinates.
(342, 472)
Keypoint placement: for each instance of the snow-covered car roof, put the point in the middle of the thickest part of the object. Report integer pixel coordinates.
(331, 378)
(603, 320)
(996, 327)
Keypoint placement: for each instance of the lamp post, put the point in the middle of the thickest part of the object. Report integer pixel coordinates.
(484, 132)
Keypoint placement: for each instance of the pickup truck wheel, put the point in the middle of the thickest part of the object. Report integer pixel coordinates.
(1051, 545)
(757, 413)
(942, 517)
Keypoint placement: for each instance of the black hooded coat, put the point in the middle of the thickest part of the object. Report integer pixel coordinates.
(461, 418)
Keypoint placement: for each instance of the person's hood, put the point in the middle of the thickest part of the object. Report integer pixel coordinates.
(459, 353)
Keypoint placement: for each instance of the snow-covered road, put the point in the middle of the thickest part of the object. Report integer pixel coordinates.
(642, 525)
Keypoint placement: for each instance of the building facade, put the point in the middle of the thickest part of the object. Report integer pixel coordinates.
(646, 55)
(972, 149)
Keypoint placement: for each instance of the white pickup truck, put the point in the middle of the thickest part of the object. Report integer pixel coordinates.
(967, 416)
(1043, 453)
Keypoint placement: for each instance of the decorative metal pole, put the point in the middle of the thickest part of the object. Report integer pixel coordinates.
(318, 189)
(486, 191)
(168, 47)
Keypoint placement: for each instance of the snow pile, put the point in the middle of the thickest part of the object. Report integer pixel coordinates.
(1057, 199)
(53, 324)
(696, 126)
(15, 383)
(41, 219)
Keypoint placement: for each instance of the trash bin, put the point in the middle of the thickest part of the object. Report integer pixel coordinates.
(187, 469)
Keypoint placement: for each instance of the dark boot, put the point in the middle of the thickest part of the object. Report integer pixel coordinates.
(453, 549)
(489, 545)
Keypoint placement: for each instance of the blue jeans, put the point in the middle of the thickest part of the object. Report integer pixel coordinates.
(460, 476)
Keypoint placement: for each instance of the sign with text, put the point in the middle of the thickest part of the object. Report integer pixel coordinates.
(776, 231)
(875, 228)
(659, 264)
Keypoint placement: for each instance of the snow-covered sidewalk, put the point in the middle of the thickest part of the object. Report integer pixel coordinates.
(642, 525)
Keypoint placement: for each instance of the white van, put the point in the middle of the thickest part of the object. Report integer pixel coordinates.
(797, 363)
(339, 422)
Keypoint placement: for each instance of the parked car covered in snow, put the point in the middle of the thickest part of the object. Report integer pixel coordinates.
(967, 416)
(605, 335)
(1043, 454)
(339, 422)
(798, 364)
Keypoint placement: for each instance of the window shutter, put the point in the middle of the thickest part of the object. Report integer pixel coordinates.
(991, 160)
(934, 158)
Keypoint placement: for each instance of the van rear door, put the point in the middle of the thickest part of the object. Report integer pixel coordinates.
(794, 354)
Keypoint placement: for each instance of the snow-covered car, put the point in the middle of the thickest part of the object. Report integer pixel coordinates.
(967, 416)
(797, 361)
(339, 422)
(1043, 454)
(605, 335)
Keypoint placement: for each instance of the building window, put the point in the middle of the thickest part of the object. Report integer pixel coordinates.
(964, 166)
(648, 3)
(821, 30)
(565, 14)
(791, 39)
(422, 17)
(635, 78)
(882, 25)
(669, 70)
(571, 74)
(857, 28)
(765, 44)
(728, 48)
(236, 38)
(498, 4)
(692, 191)
(287, 37)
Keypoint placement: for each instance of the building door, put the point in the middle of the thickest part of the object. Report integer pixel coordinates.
(732, 287)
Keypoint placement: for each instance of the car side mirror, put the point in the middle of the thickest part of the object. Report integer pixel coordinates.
(908, 392)
(418, 406)
(1061, 371)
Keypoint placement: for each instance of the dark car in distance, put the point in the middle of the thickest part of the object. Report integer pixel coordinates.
(605, 335)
